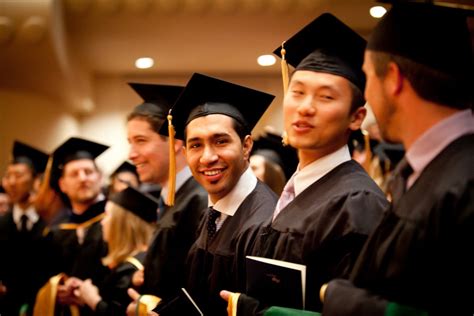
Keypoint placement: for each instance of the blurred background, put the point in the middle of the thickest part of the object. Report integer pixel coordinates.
(64, 64)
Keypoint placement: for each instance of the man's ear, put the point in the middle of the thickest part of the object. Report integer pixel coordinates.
(61, 184)
(393, 81)
(357, 117)
(178, 145)
(247, 146)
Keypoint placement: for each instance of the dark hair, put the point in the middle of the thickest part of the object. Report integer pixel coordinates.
(430, 84)
(358, 99)
(241, 129)
(140, 113)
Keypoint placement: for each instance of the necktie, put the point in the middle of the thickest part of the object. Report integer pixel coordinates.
(23, 223)
(286, 197)
(211, 222)
(398, 184)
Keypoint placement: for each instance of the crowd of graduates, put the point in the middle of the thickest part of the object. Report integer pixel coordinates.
(383, 220)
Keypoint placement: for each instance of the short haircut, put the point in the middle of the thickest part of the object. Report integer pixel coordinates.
(155, 121)
(430, 84)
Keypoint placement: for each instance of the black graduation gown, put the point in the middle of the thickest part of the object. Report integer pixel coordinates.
(176, 232)
(114, 289)
(324, 228)
(421, 253)
(83, 261)
(21, 269)
(211, 268)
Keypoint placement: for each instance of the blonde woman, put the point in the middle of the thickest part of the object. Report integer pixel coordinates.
(128, 226)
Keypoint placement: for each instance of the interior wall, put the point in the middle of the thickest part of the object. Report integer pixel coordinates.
(34, 119)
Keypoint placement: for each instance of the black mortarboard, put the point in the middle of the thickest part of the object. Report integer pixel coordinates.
(270, 144)
(431, 35)
(389, 154)
(141, 204)
(125, 166)
(76, 148)
(327, 45)
(158, 99)
(36, 159)
(204, 95)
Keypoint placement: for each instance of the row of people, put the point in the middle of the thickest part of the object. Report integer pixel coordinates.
(330, 206)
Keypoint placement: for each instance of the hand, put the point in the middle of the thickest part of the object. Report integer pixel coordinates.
(88, 293)
(132, 307)
(226, 295)
(138, 278)
(65, 294)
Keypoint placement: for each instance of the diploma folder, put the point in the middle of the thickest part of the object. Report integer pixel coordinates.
(276, 282)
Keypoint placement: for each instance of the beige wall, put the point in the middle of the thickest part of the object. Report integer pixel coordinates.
(46, 123)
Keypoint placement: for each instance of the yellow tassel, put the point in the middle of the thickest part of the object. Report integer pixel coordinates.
(284, 69)
(172, 163)
(368, 151)
(284, 139)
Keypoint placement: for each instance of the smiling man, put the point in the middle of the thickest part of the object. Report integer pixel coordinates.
(330, 204)
(164, 266)
(215, 118)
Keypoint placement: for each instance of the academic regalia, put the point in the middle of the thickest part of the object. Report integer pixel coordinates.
(21, 269)
(213, 267)
(176, 231)
(81, 260)
(114, 288)
(324, 228)
(420, 253)
(210, 262)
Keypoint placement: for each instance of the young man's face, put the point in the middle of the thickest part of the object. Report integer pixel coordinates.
(18, 182)
(377, 97)
(148, 151)
(81, 181)
(216, 155)
(317, 112)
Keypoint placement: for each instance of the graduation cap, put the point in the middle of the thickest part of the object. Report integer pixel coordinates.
(125, 167)
(270, 146)
(389, 154)
(204, 95)
(432, 35)
(325, 45)
(76, 148)
(157, 98)
(34, 158)
(141, 204)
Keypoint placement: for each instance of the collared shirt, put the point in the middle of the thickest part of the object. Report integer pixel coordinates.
(30, 212)
(435, 139)
(305, 177)
(229, 204)
(181, 178)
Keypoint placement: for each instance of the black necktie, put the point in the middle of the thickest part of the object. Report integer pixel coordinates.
(24, 223)
(211, 223)
(399, 182)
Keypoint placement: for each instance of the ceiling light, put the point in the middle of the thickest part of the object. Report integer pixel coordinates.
(144, 62)
(377, 11)
(266, 60)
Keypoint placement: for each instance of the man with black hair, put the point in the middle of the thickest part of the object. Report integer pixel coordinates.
(419, 84)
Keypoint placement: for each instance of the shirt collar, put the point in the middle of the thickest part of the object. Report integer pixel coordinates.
(181, 177)
(435, 139)
(229, 204)
(303, 178)
(30, 212)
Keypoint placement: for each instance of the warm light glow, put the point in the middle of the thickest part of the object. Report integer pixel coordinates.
(266, 60)
(377, 11)
(144, 62)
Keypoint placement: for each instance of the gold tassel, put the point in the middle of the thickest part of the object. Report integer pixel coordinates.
(368, 151)
(284, 69)
(172, 163)
(284, 139)
(232, 304)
